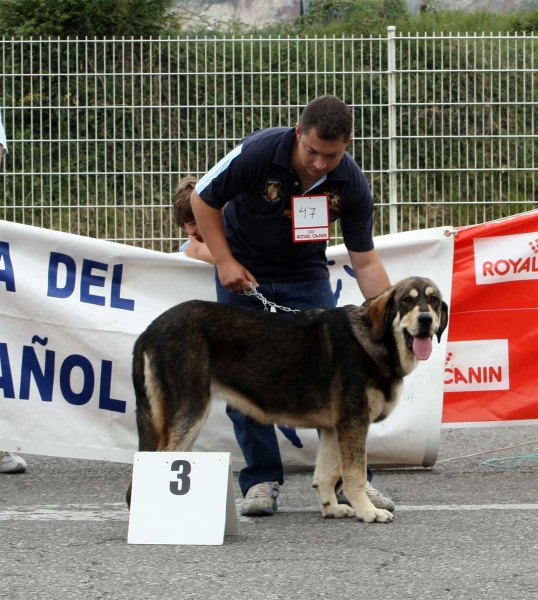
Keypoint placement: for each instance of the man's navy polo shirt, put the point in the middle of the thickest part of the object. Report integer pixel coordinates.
(255, 182)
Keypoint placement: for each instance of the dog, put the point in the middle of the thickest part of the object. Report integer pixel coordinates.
(337, 370)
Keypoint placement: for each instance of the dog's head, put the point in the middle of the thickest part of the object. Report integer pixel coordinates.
(415, 311)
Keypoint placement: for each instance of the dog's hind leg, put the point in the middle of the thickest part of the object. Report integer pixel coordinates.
(327, 473)
(187, 392)
(186, 425)
(352, 437)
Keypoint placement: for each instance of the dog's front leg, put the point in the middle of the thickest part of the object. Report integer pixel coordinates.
(326, 475)
(352, 437)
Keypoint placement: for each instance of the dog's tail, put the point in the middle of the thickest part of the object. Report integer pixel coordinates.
(149, 436)
(150, 406)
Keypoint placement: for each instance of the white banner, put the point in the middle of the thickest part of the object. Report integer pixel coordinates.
(71, 308)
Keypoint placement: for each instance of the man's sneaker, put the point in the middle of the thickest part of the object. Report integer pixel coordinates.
(260, 499)
(11, 463)
(375, 496)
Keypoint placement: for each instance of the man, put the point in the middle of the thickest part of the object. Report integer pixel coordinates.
(252, 240)
(9, 462)
(195, 248)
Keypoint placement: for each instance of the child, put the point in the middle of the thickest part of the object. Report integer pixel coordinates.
(194, 247)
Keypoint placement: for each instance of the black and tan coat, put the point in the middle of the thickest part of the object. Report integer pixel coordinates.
(337, 370)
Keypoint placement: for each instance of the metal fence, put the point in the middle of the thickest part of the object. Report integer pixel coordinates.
(100, 131)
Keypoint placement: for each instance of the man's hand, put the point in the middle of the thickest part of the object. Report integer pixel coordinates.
(234, 277)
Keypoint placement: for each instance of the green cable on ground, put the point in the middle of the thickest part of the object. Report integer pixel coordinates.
(492, 462)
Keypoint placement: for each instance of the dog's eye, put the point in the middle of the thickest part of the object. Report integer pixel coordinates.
(433, 298)
(407, 299)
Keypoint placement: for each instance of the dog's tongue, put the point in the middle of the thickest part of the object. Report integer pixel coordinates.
(422, 347)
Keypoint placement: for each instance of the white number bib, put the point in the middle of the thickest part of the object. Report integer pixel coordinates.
(310, 218)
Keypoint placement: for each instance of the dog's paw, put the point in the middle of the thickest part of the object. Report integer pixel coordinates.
(338, 511)
(378, 515)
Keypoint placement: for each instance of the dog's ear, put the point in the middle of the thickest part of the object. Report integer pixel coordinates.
(443, 321)
(377, 311)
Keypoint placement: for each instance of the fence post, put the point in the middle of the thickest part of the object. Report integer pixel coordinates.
(393, 192)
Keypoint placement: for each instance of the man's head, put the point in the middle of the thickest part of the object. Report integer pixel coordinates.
(183, 214)
(323, 134)
(330, 117)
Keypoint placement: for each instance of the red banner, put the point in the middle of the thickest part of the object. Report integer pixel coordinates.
(491, 368)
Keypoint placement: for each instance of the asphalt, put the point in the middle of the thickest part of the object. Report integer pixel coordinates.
(461, 530)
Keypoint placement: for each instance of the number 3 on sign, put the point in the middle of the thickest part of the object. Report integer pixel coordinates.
(185, 468)
(182, 498)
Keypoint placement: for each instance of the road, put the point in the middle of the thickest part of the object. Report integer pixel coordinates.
(462, 530)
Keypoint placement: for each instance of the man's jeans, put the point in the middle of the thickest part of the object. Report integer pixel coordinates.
(258, 442)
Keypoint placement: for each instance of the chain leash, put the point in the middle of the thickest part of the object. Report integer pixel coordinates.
(254, 292)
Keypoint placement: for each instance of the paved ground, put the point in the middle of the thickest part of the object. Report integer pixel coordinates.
(462, 530)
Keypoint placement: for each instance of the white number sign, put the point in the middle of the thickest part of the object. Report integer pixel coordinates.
(182, 498)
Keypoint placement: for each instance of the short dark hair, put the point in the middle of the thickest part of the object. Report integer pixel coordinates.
(182, 201)
(329, 116)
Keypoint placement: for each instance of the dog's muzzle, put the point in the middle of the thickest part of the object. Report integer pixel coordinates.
(420, 344)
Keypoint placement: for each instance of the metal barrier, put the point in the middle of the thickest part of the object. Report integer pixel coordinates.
(100, 131)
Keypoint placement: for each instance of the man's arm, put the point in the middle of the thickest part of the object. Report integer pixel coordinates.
(369, 272)
(232, 274)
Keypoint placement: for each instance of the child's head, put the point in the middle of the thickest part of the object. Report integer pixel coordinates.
(183, 214)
